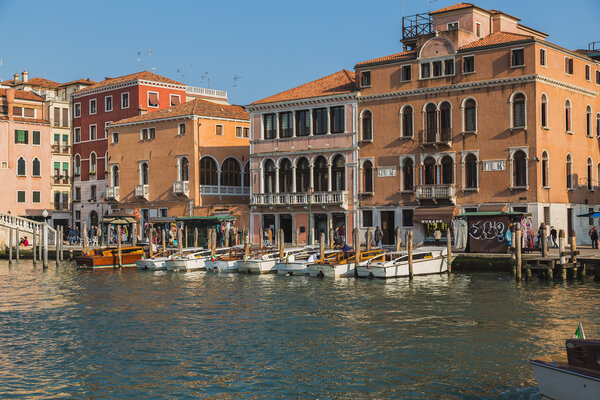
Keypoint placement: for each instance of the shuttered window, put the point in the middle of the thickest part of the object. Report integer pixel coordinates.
(65, 117)
(152, 99)
(57, 116)
(21, 136)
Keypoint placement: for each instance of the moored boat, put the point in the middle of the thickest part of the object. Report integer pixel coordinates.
(426, 261)
(297, 264)
(340, 264)
(191, 260)
(108, 257)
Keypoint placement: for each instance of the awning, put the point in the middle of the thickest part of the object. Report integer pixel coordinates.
(425, 215)
(595, 214)
(493, 214)
(492, 207)
(119, 218)
(207, 218)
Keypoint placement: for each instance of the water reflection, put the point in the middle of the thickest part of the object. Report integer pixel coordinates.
(133, 334)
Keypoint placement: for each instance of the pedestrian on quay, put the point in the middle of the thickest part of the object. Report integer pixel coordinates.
(594, 237)
(553, 235)
(76, 234)
(437, 235)
(379, 236)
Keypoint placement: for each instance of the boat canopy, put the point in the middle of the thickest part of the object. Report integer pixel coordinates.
(426, 215)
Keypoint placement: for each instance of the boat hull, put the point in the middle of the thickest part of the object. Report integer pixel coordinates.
(559, 383)
(252, 266)
(153, 264)
(420, 267)
(109, 260)
(222, 266)
(186, 264)
(292, 268)
(331, 271)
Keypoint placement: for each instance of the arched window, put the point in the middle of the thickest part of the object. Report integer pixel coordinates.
(544, 111)
(431, 122)
(367, 177)
(446, 122)
(568, 116)
(588, 121)
(520, 169)
(35, 168)
(338, 170)
(21, 169)
(471, 171)
(247, 174)
(545, 170)
(231, 173)
(285, 176)
(144, 175)
(302, 175)
(407, 121)
(569, 172)
(269, 172)
(184, 169)
(77, 164)
(590, 174)
(93, 162)
(470, 116)
(447, 170)
(114, 176)
(408, 172)
(429, 171)
(208, 171)
(367, 125)
(320, 174)
(518, 109)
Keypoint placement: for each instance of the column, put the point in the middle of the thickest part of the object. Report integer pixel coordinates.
(277, 179)
(312, 177)
(218, 180)
(277, 126)
(293, 179)
(329, 177)
(293, 123)
(328, 120)
(261, 179)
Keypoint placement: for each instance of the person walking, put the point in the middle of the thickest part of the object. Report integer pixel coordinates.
(594, 237)
(437, 235)
(378, 236)
(553, 235)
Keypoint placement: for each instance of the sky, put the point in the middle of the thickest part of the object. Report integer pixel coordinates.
(271, 46)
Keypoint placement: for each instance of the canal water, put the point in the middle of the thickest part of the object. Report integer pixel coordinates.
(66, 333)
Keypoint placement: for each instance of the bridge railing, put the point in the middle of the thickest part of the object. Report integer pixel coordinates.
(25, 225)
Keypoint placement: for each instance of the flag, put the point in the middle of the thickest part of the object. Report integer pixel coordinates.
(245, 258)
(212, 256)
(579, 334)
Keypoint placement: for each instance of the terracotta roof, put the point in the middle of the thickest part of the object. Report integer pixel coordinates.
(144, 75)
(23, 95)
(496, 39)
(405, 55)
(85, 81)
(337, 83)
(37, 81)
(453, 7)
(194, 107)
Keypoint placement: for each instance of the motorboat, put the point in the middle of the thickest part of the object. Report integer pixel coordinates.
(341, 264)
(426, 261)
(191, 260)
(226, 261)
(576, 379)
(157, 262)
(297, 264)
(264, 263)
(108, 257)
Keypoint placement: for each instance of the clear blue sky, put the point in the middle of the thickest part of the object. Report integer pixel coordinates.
(272, 45)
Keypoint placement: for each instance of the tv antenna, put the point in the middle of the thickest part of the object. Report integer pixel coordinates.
(207, 78)
(236, 78)
(139, 60)
(150, 61)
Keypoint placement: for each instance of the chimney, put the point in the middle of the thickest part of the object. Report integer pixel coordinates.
(16, 78)
(10, 99)
(142, 111)
(25, 76)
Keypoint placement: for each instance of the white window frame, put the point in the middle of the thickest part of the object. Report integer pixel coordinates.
(511, 57)
(463, 156)
(163, 208)
(148, 99)
(591, 177)
(90, 132)
(95, 170)
(17, 166)
(128, 100)
(171, 102)
(545, 64)
(32, 175)
(587, 69)
(95, 106)
(17, 197)
(112, 137)
(244, 130)
(512, 151)
(361, 162)
(106, 109)
(361, 80)
(362, 139)
(142, 134)
(463, 64)
(241, 128)
(570, 107)
(512, 119)
(450, 26)
(547, 126)
(401, 113)
(37, 202)
(478, 29)
(542, 169)
(77, 110)
(181, 124)
(569, 73)
(464, 116)
(402, 72)
(362, 222)
(75, 130)
(222, 130)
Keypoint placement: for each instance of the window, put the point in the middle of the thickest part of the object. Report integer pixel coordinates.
(302, 175)
(568, 116)
(588, 121)
(21, 136)
(184, 166)
(163, 212)
(367, 126)
(124, 100)
(445, 122)
(77, 110)
(246, 132)
(77, 198)
(246, 176)
(238, 131)
(56, 172)
(569, 172)
(590, 174)
(303, 123)
(208, 171)
(477, 29)
(144, 174)
(181, 128)
(320, 174)
(452, 25)
(93, 192)
(367, 218)
(77, 165)
(431, 123)
(36, 196)
(230, 173)
(365, 78)
(65, 200)
(598, 77)
(108, 105)
(18, 111)
(77, 135)
(588, 73)
(285, 176)
(115, 137)
(93, 163)
(36, 168)
(448, 67)
(337, 119)
(408, 174)
(65, 140)
(545, 170)
(429, 171)
(219, 130)
(544, 111)
(21, 169)
(407, 218)
(543, 57)
(425, 71)
(406, 73)
(437, 68)
(518, 109)
(147, 133)
(153, 99)
(471, 171)
(93, 106)
(407, 122)
(285, 125)
(338, 172)
(447, 170)
(468, 64)
(269, 177)
(65, 170)
(20, 196)
(470, 116)
(175, 99)
(93, 134)
(568, 65)
(367, 177)
(517, 58)
(320, 121)
(152, 133)
(36, 139)
(598, 125)
(520, 169)
(270, 127)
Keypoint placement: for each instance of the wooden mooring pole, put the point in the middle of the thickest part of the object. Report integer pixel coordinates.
(574, 252)
(196, 237)
(544, 240)
(185, 236)
(322, 246)
(331, 238)
(561, 252)
(179, 241)
(409, 249)
(369, 239)
(398, 238)
(119, 254)
(164, 240)
(85, 243)
(150, 240)
(449, 250)
(517, 240)
(281, 244)
(61, 238)
(356, 243)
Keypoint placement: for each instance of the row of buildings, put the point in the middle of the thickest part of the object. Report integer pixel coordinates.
(477, 113)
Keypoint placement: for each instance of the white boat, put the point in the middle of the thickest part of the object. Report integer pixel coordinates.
(426, 261)
(188, 261)
(340, 264)
(221, 265)
(261, 264)
(578, 379)
(297, 264)
(153, 264)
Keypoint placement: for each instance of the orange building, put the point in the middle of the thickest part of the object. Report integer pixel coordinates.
(187, 160)
(479, 112)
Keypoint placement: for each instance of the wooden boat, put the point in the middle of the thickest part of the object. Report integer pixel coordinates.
(340, 264)
(108, 257)
(297, 264)
(426, 261)
(576, 379)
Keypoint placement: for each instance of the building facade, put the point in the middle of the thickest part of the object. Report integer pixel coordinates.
(304, 158)
(187, 160)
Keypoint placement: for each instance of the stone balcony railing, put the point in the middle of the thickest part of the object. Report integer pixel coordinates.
(181, 187)
(439, 137)
(224, 190)
(436, 192)
(113, 193)
(142, 191)
(318, 198)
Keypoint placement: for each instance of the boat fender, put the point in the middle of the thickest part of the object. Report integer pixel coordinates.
(320, 274)
(371, 276)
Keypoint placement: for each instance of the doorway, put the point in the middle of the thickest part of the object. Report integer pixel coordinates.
(320, 226)
(387, 226)
(268, 227)
(569, 222)
(339, 228)
(93, 218)
(285, 223)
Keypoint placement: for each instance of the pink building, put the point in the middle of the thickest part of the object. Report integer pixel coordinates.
(304, 152)
(24, 154)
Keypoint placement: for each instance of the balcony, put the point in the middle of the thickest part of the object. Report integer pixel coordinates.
(436, 192)
(142, 191)
(112, 193)
(55, 148)
(339, 198)
(441, 137)
(66, 149)
(224, 190)
(181, 187)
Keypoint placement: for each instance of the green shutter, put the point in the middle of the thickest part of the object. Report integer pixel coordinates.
(36, 197)
(56, 165)
(56, 138)
(21, 196)
(26, 137)
(36, 137)
(65, 166)
(65, 139)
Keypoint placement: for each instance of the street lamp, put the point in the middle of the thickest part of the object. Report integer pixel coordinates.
(309, 193)
(45, 215)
